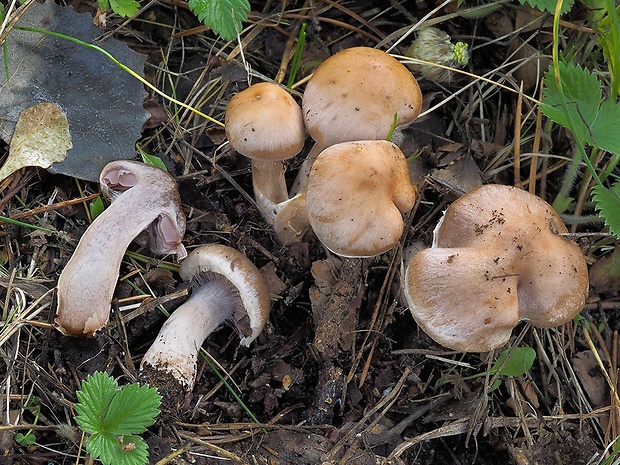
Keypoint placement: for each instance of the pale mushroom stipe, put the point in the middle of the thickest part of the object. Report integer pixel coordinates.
(356, 195)
(497, 258)
(143, 198)
(264, 123)
(226, 286)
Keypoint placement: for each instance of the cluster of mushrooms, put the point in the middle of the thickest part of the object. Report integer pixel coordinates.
(498, 255)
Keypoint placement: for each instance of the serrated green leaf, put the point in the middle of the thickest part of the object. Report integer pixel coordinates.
(592, 122)
(548, 5)
(520, 361)
(225, 17)
(125, 8)
(132, 410)
(94, 398)
(583, 94)
(607, 202)
(118, 450)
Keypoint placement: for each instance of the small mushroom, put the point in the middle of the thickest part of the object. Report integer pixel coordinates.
(356, 195)
(497, 258)
(264, 123)
(227, 286)
(355, 95)
(143, 197)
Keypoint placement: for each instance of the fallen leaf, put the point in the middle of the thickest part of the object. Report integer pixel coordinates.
(102, 102)
(41, 137)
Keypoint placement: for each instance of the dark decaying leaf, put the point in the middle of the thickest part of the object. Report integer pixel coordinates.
(102, 102)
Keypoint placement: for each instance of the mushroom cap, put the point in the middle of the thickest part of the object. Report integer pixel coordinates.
(264, 122)
(512, 244)
(242, 274)
(356, 195)
(354, 95)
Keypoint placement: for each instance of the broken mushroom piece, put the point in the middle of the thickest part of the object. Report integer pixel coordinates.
(497, 258)
(356, 94)
(356, 195)
(227, 286)
(264, 123)
(143, 198)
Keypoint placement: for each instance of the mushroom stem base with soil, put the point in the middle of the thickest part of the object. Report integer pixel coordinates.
(176, 347)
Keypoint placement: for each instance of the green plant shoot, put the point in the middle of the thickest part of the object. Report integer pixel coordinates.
(113, 417)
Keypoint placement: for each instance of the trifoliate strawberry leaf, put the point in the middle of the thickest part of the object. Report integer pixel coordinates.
(126, 8)
(97, 393)
(223, 16)
(132, 410)
(592, 122)
(607, 201)
(548, 5)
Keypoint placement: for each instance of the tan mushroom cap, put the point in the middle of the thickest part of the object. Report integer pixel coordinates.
(497, 258)
(354, 95)
(264, 122)
(356, 196)
(242, 274)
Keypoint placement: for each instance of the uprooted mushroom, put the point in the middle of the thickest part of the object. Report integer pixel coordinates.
(143, 198)
(226, 287)
(498, 257)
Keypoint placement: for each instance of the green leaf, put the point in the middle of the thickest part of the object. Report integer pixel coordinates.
(27, 439)
(97, 393)
(104, 5)
(118, 450)
(96, 207)
(126, 8)
(607, 201)
(593, 122)
(548, 5)
(520, 361)
(152, 160)
(132, 410)
(225, 17)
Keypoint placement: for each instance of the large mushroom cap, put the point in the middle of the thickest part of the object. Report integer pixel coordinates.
(498, 256)
(356, 196)
(265, 122)
(242, 274)
(354, 95)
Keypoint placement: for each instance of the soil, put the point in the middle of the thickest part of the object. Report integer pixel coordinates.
(341, 373)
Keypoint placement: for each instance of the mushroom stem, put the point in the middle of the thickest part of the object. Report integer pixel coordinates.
(175, 349)
(301, 180)
(269, 186)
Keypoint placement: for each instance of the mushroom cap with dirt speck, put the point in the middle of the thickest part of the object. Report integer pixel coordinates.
(357, 193)
(497, 258)
(264, 122)
(354, 95)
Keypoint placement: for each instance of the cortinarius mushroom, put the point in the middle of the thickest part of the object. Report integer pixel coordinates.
(356, 195)
(498, 257)
(265, 124)
(226, 287)
(144, 197)
(355, 95)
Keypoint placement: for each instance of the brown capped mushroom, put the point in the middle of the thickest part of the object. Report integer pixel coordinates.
(355, 95)
(356, 195)
(498, 257)
(143, 197)
(265, 123)
(226, 287)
